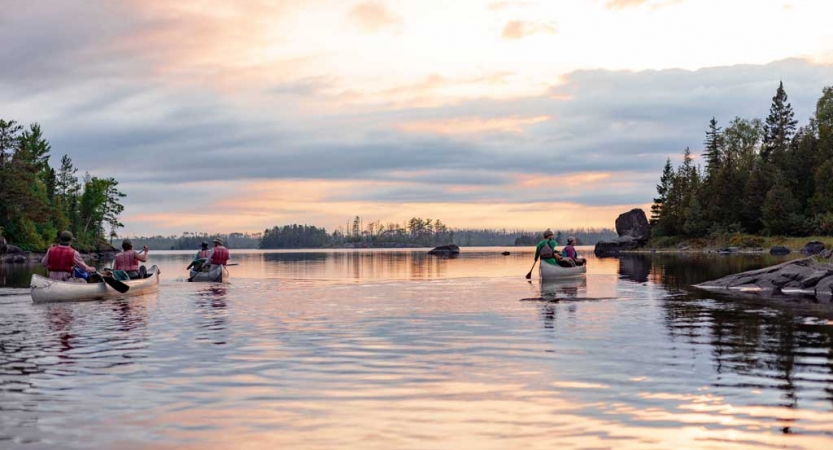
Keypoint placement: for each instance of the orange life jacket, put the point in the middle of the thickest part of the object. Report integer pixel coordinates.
(61, 259)
(220, 256)
(203, 254)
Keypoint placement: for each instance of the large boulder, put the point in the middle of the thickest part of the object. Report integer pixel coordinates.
(813, 248)
(634, 232)
(13, 250)
(634, 223)
(779, 250)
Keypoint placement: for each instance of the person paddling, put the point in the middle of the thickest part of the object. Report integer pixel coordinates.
(569, 251)
(203, 252)
(128, 260)
(546, 249)
(62, 258)
(219, 255)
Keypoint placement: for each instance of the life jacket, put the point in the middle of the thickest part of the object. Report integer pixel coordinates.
(546, 251)
(61, 259)
(126, 261)
(569, 251)
(203, 254)
(220, 256)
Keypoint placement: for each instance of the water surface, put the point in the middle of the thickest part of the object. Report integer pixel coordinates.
(398, 349)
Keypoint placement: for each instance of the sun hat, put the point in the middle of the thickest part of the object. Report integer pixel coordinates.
(65, 237)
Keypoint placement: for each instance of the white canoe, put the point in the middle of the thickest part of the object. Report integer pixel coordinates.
(217, 274)
(46, 290)
(551, 272)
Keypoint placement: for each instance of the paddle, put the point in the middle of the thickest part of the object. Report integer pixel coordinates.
(529, 274)
(115, 284)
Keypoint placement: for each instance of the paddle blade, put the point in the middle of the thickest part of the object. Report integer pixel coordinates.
(529, 275)
(116, 284)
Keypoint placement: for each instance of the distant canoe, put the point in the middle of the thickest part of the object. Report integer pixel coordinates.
(551, 271)
(217, 274)
(46, 290)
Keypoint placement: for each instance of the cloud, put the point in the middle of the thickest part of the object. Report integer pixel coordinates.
(464, 125)
(122, 101)
(622, 4)
(654, 4)
(374, 16)
(499, 5)
(517, 29)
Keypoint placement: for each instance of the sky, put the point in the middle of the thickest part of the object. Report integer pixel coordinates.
(223, 116)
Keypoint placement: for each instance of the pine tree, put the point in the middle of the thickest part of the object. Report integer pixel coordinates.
(713, 152)
(663, 189)
(779, 127)
(780, 212)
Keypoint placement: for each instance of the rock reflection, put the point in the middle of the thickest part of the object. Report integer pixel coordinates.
(636, 268)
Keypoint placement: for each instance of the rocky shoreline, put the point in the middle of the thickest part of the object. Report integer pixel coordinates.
(35, 258)
(811, 276)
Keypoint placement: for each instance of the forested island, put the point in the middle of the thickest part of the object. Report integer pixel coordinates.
(416, 232)
(37, 201)
(760, 178)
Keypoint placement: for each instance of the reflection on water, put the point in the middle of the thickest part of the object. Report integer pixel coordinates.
(396, 349)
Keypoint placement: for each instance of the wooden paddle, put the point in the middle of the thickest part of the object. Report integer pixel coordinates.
(115, 284)
(529, 274)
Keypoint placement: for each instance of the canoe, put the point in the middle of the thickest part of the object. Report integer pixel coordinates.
(551, 272)
(217, 274)
(46, 290)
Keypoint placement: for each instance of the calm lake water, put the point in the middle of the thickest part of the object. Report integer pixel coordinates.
(400, 350)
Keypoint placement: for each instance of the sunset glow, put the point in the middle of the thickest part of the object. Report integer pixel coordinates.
(519, 114)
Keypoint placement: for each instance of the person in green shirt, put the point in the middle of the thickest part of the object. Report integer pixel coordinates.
(546, 249)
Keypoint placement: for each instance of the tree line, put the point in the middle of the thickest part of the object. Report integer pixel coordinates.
(416, 232)
(760, 177)
(190, 240)
(37, 201)
(503, 237)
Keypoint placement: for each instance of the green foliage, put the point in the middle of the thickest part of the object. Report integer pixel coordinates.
(664, 242)
(823, 224)
(36, 201)
(781, 212)
(779, 127)
(746, 241)
(760, 177)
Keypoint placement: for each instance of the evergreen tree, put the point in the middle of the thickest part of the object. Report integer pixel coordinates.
(779, 128)
(823, 122)
(663, 189)
(781, 212)
(754, 194)
(713, 151)
(822, 200)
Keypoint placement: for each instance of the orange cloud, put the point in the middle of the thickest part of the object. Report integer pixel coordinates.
(622, 4)
(467, 125)
(495, 6)
(578, 179)
(518, 29)
(374, 16)
(255, 206)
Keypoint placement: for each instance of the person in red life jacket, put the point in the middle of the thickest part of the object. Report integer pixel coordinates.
(62, 258)
(128, 260)
(203, 253)
(219, 255)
